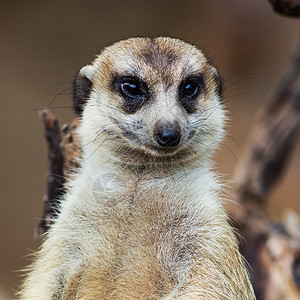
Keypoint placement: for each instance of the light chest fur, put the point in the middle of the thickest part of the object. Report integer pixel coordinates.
(143, 219)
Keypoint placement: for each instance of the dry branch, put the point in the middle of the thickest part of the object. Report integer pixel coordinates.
(271, 248)
(272, 140)
(63, 154)
(55, 184)
(286, 7)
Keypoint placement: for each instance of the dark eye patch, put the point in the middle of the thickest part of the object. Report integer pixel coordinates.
(190, 90)
(133, 90)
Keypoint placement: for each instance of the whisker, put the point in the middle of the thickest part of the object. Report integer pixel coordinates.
(59, 94)
(234, 139)
(96, 149)
(229, 136)
(63, 94)
(200, 121)
(228, 148)
(237, 95)
(98, 134)
(226, 87)
(54, 107)
(58, 84)
(116, 109)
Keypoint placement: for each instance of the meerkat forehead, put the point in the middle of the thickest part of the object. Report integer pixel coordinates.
(161, 59)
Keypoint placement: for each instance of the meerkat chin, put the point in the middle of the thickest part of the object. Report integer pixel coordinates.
(143, 217)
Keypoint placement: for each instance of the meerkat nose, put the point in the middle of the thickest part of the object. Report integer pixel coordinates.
(168, 135)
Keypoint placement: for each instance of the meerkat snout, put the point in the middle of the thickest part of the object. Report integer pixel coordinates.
(167, 135)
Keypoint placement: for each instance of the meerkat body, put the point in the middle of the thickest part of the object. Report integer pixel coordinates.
(143, 219)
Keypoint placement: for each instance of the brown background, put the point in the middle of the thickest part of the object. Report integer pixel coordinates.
(44, 43)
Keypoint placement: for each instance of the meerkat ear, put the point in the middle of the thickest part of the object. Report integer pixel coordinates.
(82, 88)
(218, 81)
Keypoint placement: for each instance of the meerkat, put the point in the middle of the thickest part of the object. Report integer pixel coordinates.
(143, 217)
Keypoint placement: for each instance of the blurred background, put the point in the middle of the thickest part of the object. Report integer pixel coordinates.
(44, 44)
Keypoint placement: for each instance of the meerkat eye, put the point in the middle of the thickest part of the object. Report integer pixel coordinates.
(189, 89)
(131, 89)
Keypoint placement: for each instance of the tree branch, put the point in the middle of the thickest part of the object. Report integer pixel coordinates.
(272, 140)
(55, 183)
(286, 7)
(271, 248)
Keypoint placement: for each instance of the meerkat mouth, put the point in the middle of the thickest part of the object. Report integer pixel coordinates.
(152, 155)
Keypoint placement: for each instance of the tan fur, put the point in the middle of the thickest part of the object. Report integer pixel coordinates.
(140, 222)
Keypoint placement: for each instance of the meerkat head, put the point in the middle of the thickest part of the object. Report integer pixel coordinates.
(147, 100)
